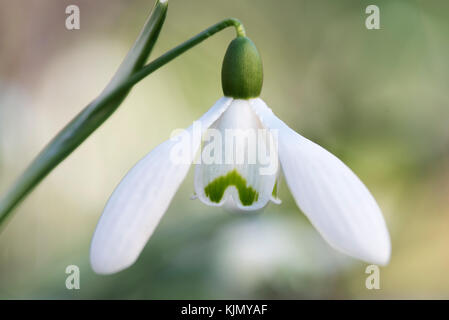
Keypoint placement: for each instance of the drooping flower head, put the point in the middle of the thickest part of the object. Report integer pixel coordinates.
(241, 152)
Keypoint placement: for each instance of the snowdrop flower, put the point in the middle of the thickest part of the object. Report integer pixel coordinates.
(336, 202)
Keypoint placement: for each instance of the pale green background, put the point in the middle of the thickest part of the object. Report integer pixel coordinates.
(377, 99)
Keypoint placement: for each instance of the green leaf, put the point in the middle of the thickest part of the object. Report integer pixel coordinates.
(90, 118)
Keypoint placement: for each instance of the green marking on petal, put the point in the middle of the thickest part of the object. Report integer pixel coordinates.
(216, 188)
(275, 190)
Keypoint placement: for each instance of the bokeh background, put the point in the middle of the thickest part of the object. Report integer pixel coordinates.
(378, 99)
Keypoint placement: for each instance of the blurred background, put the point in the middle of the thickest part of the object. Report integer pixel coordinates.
(378, 99)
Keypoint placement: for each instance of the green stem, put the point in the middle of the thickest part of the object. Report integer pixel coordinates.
(175, 52)
(94, 115)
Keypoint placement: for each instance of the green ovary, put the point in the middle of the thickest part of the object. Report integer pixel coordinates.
(216, 189)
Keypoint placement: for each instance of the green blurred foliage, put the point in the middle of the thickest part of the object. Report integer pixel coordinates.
(378, 99)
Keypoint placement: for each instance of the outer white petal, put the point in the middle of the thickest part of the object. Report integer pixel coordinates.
(337, 203)
(237, 140)
(139, 201)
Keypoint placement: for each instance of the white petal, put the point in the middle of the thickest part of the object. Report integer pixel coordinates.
(334, 199)
(138, 203)
(238, 166)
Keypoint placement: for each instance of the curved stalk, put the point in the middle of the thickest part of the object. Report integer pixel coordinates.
(175, 52)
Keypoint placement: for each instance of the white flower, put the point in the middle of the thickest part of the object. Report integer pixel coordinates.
(336, 202)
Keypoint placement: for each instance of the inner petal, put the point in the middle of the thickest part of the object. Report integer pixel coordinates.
(239, 163)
